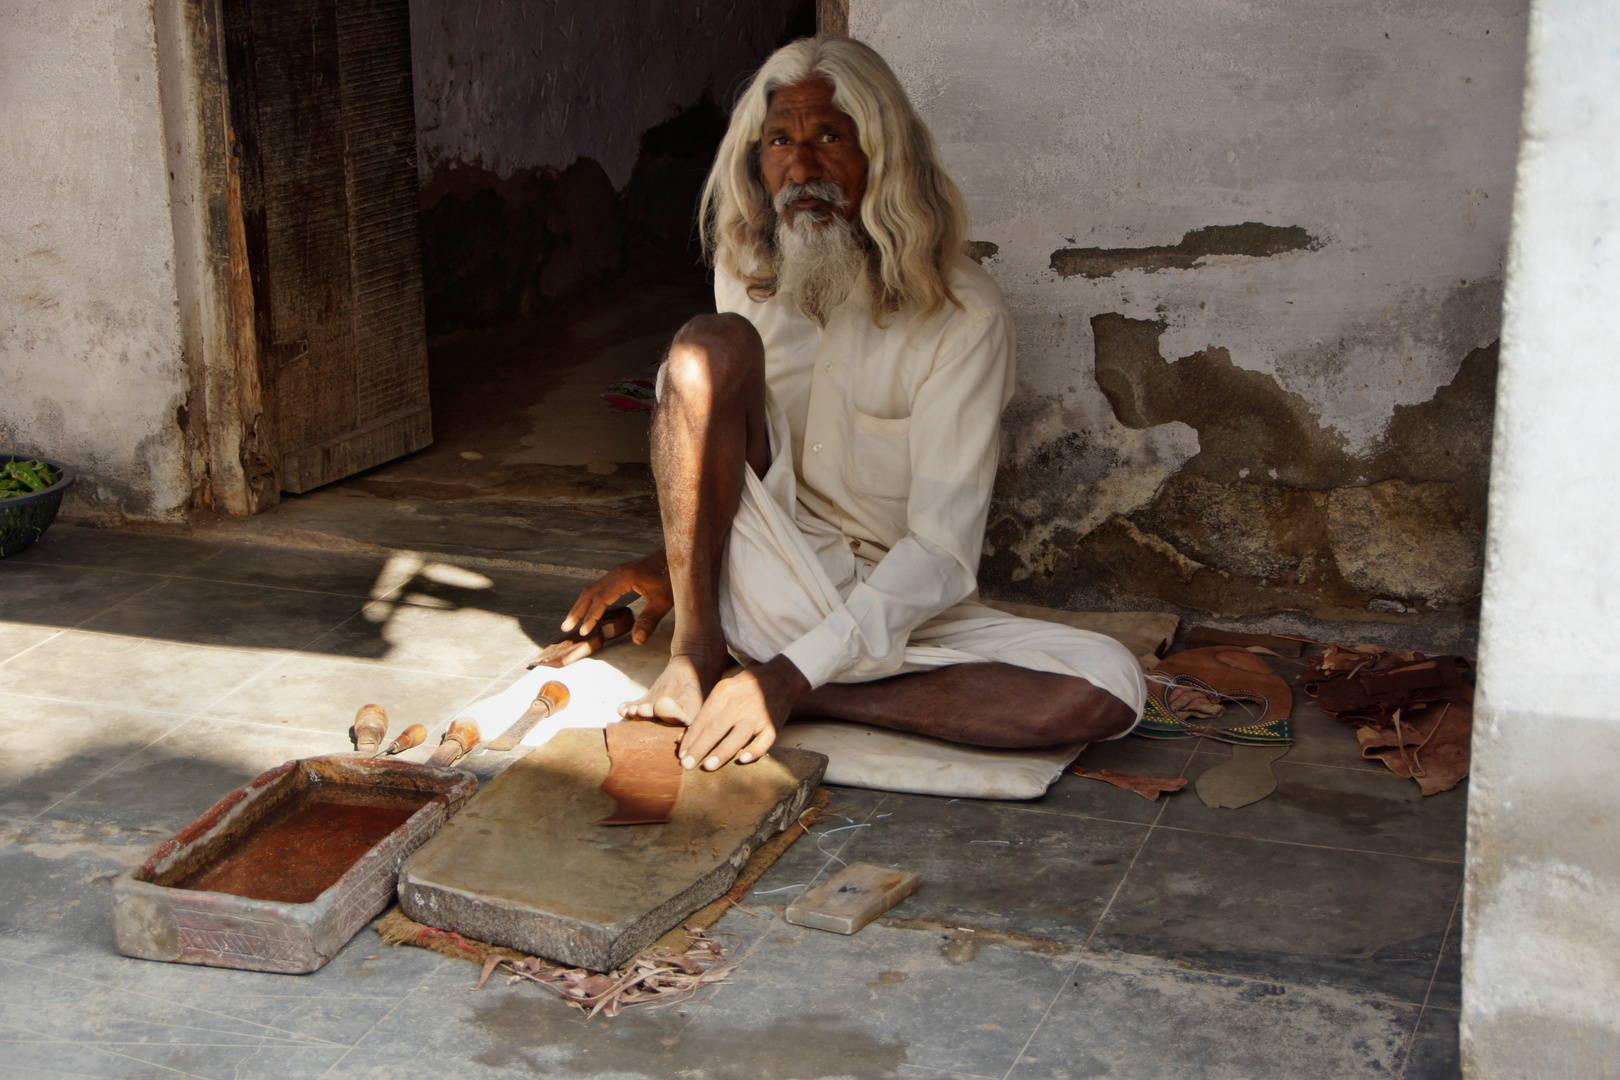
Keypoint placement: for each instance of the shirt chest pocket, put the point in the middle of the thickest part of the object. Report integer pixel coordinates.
(880, 453)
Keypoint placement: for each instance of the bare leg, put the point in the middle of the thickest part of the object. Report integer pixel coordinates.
(980, 704)
(709, 425)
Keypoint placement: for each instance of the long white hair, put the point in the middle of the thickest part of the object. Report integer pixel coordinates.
(912, 218)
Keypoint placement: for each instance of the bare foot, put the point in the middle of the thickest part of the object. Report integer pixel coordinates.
(679, 692)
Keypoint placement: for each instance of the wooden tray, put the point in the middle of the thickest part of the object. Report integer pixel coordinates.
(284, 870)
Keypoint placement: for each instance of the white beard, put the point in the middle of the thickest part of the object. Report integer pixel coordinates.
(817, 269)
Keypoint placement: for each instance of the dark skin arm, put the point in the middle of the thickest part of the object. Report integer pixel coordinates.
(742, 714)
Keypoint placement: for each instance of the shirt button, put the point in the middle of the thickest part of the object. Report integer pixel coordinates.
(828, 365)
(816, 449)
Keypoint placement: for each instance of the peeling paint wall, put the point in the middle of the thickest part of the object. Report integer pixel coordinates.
(1255, 253)
(90, 354)
(531, 119)
(1541, 910)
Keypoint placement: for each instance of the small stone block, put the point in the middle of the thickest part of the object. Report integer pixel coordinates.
(854, 897)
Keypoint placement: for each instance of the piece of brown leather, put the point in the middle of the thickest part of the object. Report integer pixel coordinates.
(1429, 745)
(644, 773)
(1149, 787)
(1232, 670)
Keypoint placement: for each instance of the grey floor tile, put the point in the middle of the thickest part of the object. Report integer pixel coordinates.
(53, 748)
(1433, 1053)
(1446, 990)
(454, 641)
(999, 865)
(1298, 914)
(322, 693)
(150, 673)
(813, 855)
(1132, 756)
(60, 596)
(16, 638)
(342, 573)
(445, 1027)
(1319, 739)
(546, 597)
(810, 1003)
(1136, 1018)
(167, 784)
(136, 550)
(196, 612)
(1349, 808)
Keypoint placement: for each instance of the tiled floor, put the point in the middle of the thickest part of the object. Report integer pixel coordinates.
(1088, 934)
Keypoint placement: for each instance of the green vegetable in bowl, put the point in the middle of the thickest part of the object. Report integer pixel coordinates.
(19, 477)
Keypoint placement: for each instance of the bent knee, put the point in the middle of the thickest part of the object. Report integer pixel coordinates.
(712, 352)
(1082, 712)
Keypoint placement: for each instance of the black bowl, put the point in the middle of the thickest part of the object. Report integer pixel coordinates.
(24, 518)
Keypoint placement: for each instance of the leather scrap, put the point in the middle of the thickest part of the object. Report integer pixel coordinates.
(1247, 778)
(644, 774)
(1149, 787)
(1413, 712)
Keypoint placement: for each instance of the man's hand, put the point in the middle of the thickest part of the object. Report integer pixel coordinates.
(742, 714)
(647, 576)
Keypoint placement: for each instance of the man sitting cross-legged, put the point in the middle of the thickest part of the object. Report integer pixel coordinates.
(824, 449)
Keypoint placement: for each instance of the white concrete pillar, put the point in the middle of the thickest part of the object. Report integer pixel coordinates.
(1541, 940)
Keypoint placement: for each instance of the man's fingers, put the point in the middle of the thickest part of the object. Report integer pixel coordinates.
(699, 742)
(757, 746)
(588, 608)
(735, 740)
(645, 625)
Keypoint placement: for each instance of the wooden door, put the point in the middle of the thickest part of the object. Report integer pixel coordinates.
(324, 129)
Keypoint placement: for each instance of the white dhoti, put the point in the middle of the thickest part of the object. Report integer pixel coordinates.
(779, 581)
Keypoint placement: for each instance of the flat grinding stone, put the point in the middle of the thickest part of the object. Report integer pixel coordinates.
(527, 865)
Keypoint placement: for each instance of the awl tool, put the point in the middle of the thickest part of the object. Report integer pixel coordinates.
(552, 699)
(370, 725)
(411, 736)
(462, 737)
(564, 649)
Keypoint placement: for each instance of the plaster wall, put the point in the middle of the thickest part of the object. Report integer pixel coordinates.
(1255, 253)
(531, 119)
(90, 356)
(510, 85)
(1541, 927)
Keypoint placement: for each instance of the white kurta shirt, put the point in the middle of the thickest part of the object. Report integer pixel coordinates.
(894, 436)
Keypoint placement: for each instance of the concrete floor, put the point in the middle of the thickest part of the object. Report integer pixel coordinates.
(144, 675)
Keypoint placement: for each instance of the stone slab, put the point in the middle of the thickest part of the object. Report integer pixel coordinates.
(528, 865)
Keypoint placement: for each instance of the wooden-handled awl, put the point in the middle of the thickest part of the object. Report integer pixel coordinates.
(370, 725)
(411, 736)
(552, 699)
(462, 737)
(564, 649)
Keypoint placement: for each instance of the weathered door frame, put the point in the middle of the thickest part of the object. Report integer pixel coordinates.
(239, 463)
(233, 448)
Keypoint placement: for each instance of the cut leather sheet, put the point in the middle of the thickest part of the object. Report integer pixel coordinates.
(1432, 746)
(644, 775)
(1259, 716)
(1149, 787)
(1247, 778)
(860, 756)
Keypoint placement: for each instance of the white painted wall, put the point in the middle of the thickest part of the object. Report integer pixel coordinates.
(1386, 131)
(516, 84)
(90, 364)
(1541, 944)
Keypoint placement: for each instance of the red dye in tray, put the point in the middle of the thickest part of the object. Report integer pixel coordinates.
(300, 849)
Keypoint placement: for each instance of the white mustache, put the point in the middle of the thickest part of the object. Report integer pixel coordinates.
(821, 190)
